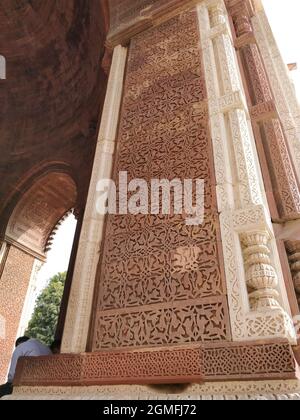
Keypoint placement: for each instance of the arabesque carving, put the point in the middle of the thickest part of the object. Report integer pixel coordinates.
(161, 281)
(186, 364)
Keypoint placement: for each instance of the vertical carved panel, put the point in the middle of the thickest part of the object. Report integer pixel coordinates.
(161, 281)
(274, 151)
(260, 88)
(293, 249)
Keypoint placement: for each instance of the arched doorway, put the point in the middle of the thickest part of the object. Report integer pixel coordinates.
(25, 245)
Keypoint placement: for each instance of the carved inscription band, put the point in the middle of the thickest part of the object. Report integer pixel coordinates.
(173, 365)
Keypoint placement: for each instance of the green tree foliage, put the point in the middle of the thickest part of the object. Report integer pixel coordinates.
(43, 323)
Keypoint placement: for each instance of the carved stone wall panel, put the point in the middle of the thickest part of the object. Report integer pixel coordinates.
(188, 322)
(189, 272)
(284, 181)
(241, 199)
(185, 364)
(293, 250)
(260, 89)
(230, 361)
(159, 260)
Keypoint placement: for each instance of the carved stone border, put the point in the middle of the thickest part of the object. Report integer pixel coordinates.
(190, 364)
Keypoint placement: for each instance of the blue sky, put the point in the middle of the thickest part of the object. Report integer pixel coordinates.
(58, 258)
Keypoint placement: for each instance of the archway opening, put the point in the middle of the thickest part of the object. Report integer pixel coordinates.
(31, 229)
(45, 293)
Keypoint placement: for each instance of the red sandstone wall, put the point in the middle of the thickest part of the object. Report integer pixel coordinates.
(13, 287)
(123, 12)
(161, 282)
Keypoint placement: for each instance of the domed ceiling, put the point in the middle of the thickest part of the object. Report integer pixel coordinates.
(51, 99)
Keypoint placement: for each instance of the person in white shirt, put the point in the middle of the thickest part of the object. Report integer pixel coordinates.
(25, 347)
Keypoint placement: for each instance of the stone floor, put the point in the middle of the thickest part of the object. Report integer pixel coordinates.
(260, 390)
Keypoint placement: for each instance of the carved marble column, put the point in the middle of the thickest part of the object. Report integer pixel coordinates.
(80, 302)
(257, 296)
(261, 277)
(279, 170)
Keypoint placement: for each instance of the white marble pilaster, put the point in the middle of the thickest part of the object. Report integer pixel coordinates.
(241, 198)
(82, 290)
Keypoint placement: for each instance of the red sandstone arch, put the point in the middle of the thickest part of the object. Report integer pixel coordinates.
(48, 195)
(39, 210)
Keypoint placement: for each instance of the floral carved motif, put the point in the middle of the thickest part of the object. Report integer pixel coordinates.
(168, 324)
(161, 281)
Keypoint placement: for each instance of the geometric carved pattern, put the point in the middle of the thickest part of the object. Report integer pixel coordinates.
(173, 365)
(159, 260)
(108, 368)
(286, 190)
(247, 361)
(191, 272)
(167, 325)
(263, 111)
